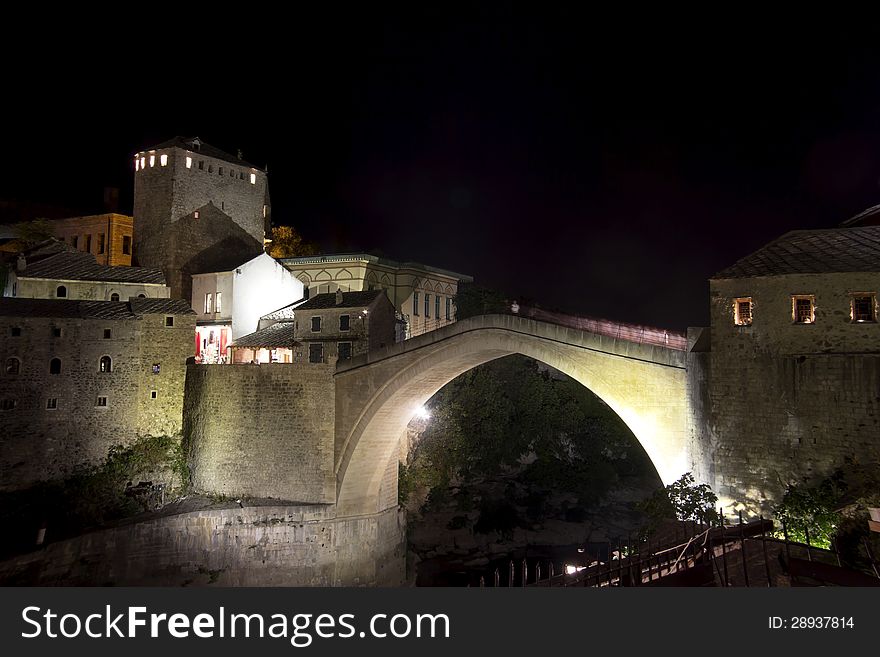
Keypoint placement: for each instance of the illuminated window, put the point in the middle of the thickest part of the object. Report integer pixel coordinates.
(142, 163)
(13, 366)
(137, 164)
(344, 351)
(101, 402)
(189, 162)
(209, 302)
(742, 311)
(61, 292)
(55, 366)
(864, 308)
(437, 306)
(105, 364)
(427, 305)
(316, 352)
(803, 309)
(253, 179)
(156, 368)
(126, 245)
(218, 306)
(316, 324)
(416, 304)
(448, 308)
(265, 209)
(152, 160)
(52, 403)
(163, 159)
(196, 214)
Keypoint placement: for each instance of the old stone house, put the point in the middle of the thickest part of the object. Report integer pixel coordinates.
(229, 304)
(324, 328)
(81, 376)
(794, 378)
(423, 296)
(56, 272)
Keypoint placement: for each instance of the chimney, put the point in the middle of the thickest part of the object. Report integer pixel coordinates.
(21, 264)
(338, 297)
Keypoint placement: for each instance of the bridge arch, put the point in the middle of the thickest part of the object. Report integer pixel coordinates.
(378, 393)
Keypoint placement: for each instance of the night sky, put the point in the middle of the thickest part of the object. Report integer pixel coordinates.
(590, 166)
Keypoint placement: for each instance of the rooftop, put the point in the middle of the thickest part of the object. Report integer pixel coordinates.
(77, 266)
(277, 335)
(812, 252)
(111, 310)
(367, 257)
(196, 145)
(349, 300)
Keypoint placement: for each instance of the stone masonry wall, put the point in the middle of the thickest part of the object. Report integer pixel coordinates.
(789, 401)
(254, 546)
(262, 430)
(38, 442)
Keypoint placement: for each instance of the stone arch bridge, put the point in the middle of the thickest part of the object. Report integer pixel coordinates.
(644, 381)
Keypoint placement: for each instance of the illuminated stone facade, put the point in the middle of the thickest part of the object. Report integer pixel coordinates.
(422, 295)
(196, 209)
(108, 237)
(789, 399)
(81, 376)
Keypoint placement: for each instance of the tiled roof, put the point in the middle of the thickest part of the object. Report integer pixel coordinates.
(812, 252)
(277, 335)
(77, 266)
(150, 306)
(285, 313)
(349, 300)
(112, 310)
(189, 144)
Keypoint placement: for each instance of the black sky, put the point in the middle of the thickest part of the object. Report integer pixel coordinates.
(591, 166)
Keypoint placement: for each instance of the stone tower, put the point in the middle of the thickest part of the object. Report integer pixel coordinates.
(197, 209)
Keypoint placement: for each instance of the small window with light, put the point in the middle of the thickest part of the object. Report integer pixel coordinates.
(863, 307)
(742, 311)
(803, 309)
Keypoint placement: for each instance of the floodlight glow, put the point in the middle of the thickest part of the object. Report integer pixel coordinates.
(571, 570)
(422, 413)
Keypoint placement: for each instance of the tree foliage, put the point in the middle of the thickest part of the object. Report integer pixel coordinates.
(34, 232)
(813, 510)
(683, 499)
(288, 243)
(472, 300)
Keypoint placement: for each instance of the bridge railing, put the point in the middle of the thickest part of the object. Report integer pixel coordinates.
(621, 330)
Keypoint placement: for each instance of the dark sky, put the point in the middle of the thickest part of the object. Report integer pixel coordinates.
(591, 166)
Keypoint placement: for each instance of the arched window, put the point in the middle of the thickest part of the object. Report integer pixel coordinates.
(13, 366)
(61, 292)
(106, 364)
(114, 297)
(142, 296)
(55, 366)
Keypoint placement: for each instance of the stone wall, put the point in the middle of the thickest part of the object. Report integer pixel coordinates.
(262, 430)
(791, 401)
(253, 546)
(42, 288)
(39, 442)
(165, 195)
